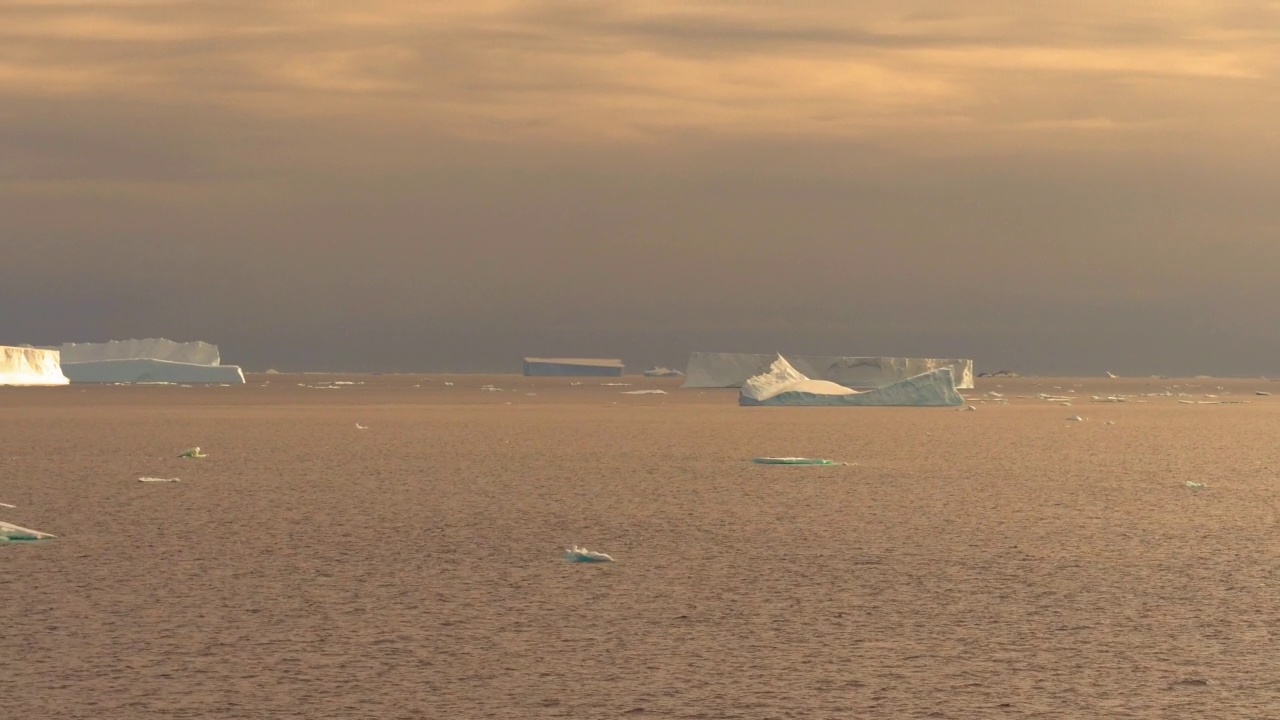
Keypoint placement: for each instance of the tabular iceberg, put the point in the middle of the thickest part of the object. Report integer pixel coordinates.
(150, 360)
(784, 385)
(727, 370)
(30, 366)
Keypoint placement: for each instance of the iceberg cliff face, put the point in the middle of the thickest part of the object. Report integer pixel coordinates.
(30, 366)
(784, 385)
(724, 370)
(150, 360)
(142, 370)
(194, 353)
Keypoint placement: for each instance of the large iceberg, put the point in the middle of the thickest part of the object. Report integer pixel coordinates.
(783, 384)
(730, 370)
(151, 360)
(30, 366)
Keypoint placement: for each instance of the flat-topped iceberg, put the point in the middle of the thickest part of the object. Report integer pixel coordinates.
(30, 366)
(153, 360)
(782, 384)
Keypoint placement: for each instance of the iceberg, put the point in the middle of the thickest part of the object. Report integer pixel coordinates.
(153, 360)
(792, 461)
(573, 367)
(30, 366)
(783, 384)
(730, 370)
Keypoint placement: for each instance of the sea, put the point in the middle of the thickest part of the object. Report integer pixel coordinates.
(393, 546)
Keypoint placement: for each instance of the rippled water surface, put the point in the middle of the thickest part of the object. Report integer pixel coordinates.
(1004, 562)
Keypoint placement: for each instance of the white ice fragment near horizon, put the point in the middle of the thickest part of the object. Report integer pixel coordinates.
(731, 370)
(1195, 485)
(1262, 392)
(662, 372)
(361, 427)
(783, 385)
(644, 392)
(1075, 418)
(1111, 374)
(30, 366)
(9, 531)
(192, 453)
(158, 480)
(577, 554)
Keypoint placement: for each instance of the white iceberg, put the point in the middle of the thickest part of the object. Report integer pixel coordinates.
(155, 479)
(577, 554)
(784, 385)
(153, 360)
(731, 370)
(30, 366)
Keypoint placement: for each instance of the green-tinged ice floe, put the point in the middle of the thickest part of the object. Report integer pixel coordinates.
(793, 461)
(14, 533)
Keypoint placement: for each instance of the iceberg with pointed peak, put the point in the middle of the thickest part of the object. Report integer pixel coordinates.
(783, 385)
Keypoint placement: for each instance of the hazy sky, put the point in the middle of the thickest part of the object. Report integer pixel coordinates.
(416, 185)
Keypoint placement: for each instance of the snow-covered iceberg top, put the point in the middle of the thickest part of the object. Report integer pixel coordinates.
(194, 353)
(782, 384)
(30, 366)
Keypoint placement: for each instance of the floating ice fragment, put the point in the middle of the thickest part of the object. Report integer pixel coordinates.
(1195, 485)
(7, 505)
(1262, 392)
(792, 461)
(1075, 418)
(1111, 374)
(151, 479)
(577, 554)
(361, 427)
(14, 532)
(192, 453)
(644, 392)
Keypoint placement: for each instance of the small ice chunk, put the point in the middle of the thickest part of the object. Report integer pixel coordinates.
(361, 427)
(154, 479)
(1075, 418)
(1195, 485)
(792, 461)
(9, 531)
(644, 392)
(192, 453)
(577, 554)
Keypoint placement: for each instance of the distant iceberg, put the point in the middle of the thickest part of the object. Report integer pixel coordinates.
(657, 371)
(30, 366)
(151, 360)
(784, 385)
(731, 370)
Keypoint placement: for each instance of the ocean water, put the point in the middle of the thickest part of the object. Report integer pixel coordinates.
(1004, 562)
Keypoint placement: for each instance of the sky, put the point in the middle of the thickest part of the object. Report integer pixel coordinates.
(409, 185)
